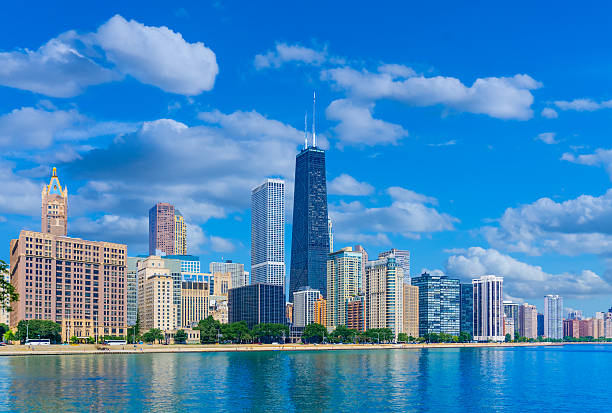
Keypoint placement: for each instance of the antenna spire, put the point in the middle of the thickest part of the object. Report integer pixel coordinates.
(305, 130)
(314, 134)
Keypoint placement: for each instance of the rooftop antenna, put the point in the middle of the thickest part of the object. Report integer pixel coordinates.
(314, 135)
(305, 130)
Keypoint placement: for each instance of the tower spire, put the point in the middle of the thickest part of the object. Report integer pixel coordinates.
(314, 134)
(305, 130)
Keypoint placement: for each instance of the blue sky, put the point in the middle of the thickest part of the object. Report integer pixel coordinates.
(476, 137)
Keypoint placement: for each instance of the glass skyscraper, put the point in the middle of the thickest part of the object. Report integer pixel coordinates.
(256, 304)
(439, 299)
(310, 238)
(467, 309)
(553, 316)
(268, 233)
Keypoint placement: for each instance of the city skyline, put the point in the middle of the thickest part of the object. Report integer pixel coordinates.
(531, 225)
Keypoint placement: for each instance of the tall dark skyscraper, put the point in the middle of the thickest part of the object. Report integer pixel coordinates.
(310, 238)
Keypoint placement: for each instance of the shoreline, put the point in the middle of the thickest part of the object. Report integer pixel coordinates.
(58, 349)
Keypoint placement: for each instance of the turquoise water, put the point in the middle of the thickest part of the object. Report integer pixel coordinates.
(568, 378)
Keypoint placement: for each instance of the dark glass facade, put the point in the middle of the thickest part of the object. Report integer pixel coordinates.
(256, 304)
(467, 309)
(540, 324)
(439, 303)
(310, 238)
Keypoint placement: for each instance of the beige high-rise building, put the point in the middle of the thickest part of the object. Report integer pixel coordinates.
(180, 233)
(320, 312)
(194, 303)
(156, 306)
(411, 310)
(528, 321)
(344, 280)
(80, 284)
(54, 217)
(384, 295)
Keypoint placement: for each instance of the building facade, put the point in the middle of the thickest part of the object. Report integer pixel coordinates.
(344, 280)
(268, 232)
(256, 304)
(511, 311)
(355, 313)
(194, 303)
(189, 263)
(384, 295)
(466, 308)
(528, 320)
(411, 309)
(54, 217)
(304, 306)
(553, 316)
(180, 233)
(488, 308)
(238, 276)
(132, 290)
(310, 236)
(157, 307)
(161, 229)
(402, 257)
(439, 304)
(320, 312)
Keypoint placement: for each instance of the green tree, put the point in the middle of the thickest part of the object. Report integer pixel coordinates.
(508, 338)
(39, 329)
(464, 337)
(7, 290)
(3, 329)
(153, 335)
(74, 340)
(9, 336)
(343, 334)
(402, 338)
(209, 330)
(180, 337)
(270, 332)
(314, 333)
(237, 332)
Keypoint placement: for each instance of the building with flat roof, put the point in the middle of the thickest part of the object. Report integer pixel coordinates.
(161, 229)
(439, 304)
(488, 308)
(355, 313)
(320, 312)
(304, 306)
(384, 295)
(411, 309)
(194, 303)
(528, 320)
(553, 316)
(157, 307)
(256, 304)
(238, 276)
(466, 309)
(511, 310)
(344, 280)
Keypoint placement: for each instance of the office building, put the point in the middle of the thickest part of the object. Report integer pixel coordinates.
(189, 263)
(509, 327)
(132, 290)
(355, 313)
(364, 259)
(540, 325)
(180, 233)
(528, 320)
(161, 229)
(488, 308)
(268, 233)
(194, 303)
(411, 309)
(439, 304)
(320, 312)
(384, 295)
(236, 270)
(571, 328)
(553, 316)
(402, 257)
(310, 236)
(331, 235)
(344, 279)
(511, 310)
(256, 304)
(54, 217)
(466, 309)
(574, 315)
(157, 307)
(304, 306)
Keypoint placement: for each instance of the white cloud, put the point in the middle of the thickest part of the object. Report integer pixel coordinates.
(451, 142)
(406, 195)
(347, 185)
(550, 113)
(498, 97)
(358, 127)
(547, 137)
(577, 226)
(601, 157)
(19, 195)
(158, 56)
(525, 280)
(583, 105)
(219, 244)
(284, 53)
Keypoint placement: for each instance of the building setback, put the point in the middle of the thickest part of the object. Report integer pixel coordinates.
(383, 292)
(310, 236)
(268, 232)
(256, 304)
(488, 308)
(466, 309)
(344, 280)
(304, 306)
(439, 304)
(553, 316)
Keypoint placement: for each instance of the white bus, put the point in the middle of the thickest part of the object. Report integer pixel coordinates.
(38, 342)
(115, 342)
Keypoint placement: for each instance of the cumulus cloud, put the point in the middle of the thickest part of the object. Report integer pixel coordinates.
(66, 65)
(19, 195)
(601, 157)
(550, 113)
(498, 97)
(547, 137)
(347, 185)
(573, 227)
(358, 127)
(582, 105)
(284, 53)
(525, 280)
(407, 216)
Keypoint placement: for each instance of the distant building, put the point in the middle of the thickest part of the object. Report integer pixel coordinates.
(466, 309)
(320, 312)
(402, 257)
(553, 316)
(411, 309)
(310, 237)
(180, 233)
(571, 328)
(383, 293)
(156, 292)
(304, 306)
(575, 315)
(331, 235)
(239, 277)
(256, 304)
(132, 290)
(189, 263)
(511, 310)
(54, 218)
(268, 232)
(194, 303)
(540, 325)
(364, 259)
(355, 313)
(439, 304)
(344, 279)
(161, 229)
(289, 312)
(508, 326)
(528, 319)
(488, 308)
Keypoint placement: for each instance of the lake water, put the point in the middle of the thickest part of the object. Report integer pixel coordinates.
(568, 378)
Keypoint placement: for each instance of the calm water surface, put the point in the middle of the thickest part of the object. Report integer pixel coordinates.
(569, 378)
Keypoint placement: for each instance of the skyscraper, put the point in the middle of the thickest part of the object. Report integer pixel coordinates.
(466, 309)
(439, 299)
(161, 228)
(268, 232)
(310, 238)
(257, 303)
(384, 295)
(528, 320)
(343, 282)
(180, 233)
(511, 310)
(553, 316)
(411, 310)
(54, 217)
(402, 257)
(488, 308)
(331, 235)
(304, 306)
